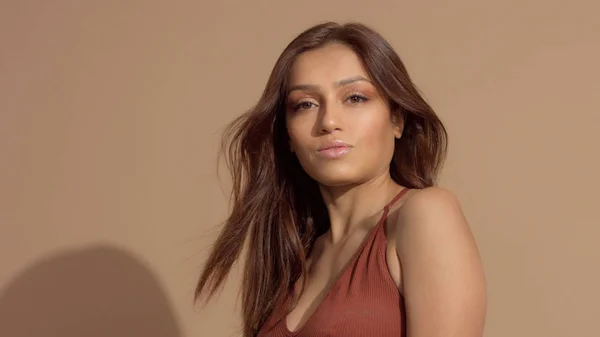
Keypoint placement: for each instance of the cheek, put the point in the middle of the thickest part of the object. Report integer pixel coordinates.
(377, 144)
(377, 133)
(299, 130)
(298, 139)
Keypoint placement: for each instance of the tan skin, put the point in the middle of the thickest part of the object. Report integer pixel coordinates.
(431, 253)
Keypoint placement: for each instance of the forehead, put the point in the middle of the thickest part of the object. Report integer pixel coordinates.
(326, 65)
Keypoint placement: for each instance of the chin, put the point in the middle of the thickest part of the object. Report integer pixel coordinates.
(336, 182)
(335, 177)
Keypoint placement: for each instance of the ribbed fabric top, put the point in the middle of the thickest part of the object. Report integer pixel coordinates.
(363, 301)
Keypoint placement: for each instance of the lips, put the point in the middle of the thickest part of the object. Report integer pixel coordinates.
(334, 149)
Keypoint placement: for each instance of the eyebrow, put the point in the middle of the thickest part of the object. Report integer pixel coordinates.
(339, 83)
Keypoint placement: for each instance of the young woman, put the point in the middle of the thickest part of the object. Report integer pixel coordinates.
(334, 197)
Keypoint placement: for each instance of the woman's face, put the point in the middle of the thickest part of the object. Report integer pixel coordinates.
(339, 125)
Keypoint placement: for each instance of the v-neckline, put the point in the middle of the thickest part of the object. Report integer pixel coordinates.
(370, 235)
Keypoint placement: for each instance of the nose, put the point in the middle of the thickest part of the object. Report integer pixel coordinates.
(331, 119)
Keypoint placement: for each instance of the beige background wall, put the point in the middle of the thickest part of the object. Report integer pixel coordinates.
(110, 112)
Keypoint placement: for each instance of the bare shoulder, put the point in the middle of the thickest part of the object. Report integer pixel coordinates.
(430, 217)
(432, 208)
(431, 200)
(442, 276)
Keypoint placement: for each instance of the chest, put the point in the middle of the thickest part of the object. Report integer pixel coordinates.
(353, 282)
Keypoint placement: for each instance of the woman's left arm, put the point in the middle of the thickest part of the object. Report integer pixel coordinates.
(443, 281)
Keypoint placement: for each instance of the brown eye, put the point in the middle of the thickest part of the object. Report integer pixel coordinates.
(304, 106)
(354, 99)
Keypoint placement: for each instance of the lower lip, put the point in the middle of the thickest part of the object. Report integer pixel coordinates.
(334, 152)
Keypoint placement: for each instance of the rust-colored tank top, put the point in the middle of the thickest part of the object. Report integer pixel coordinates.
(363, 301)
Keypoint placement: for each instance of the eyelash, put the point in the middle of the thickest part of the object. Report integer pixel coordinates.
(361, 99)
(298, 106)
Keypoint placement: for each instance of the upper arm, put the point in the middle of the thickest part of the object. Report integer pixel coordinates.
(442, 276)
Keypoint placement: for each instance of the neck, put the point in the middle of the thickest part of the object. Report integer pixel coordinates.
(350, 207)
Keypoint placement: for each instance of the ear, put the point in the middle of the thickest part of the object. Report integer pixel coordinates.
(398, 123)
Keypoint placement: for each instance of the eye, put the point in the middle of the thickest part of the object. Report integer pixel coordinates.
(304, 106)
(354, 99)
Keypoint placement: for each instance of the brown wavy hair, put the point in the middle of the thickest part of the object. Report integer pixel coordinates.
(277, 209)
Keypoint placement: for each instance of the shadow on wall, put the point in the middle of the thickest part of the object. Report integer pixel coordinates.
(86, 293)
